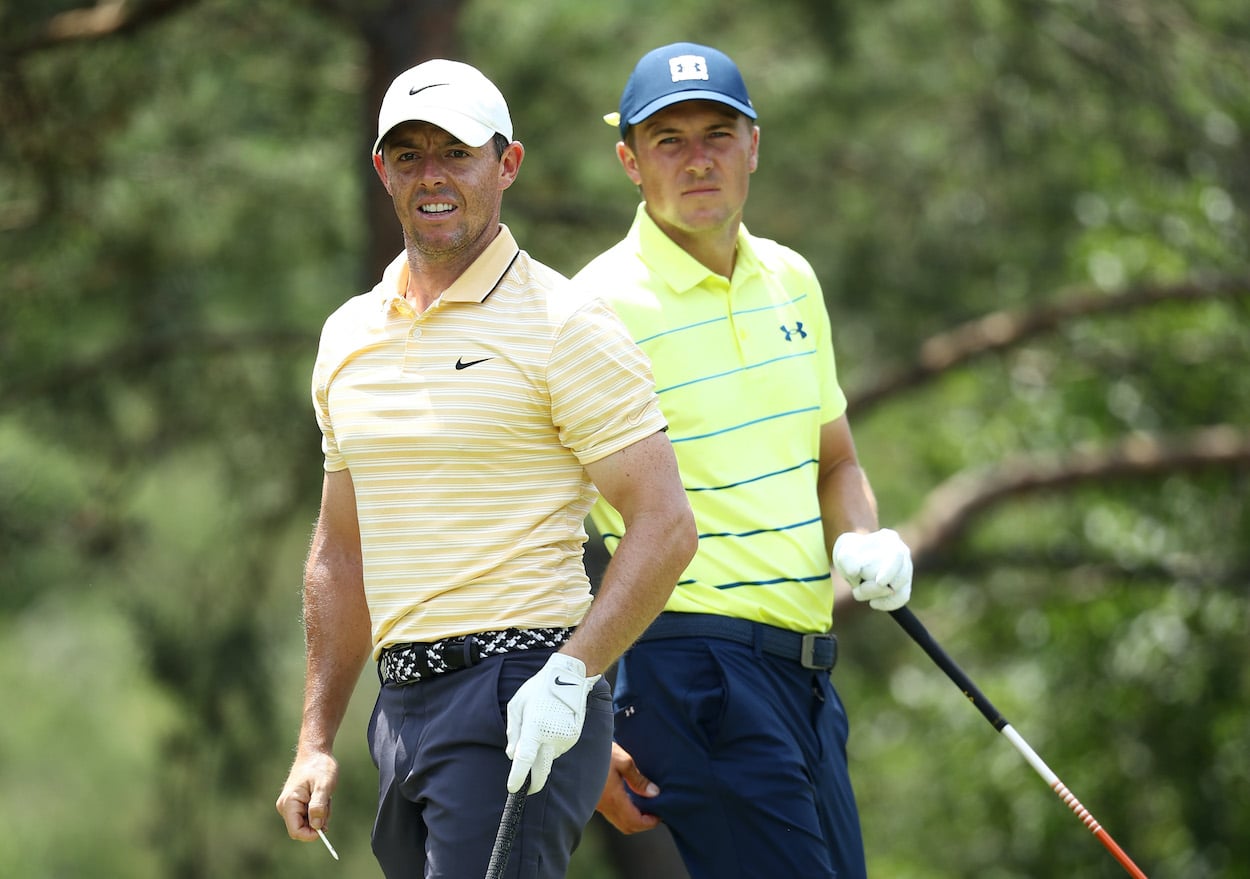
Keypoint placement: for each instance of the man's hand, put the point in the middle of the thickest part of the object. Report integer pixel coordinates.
(876, 566)
(615, 804)
(545, 719)
(304, 803)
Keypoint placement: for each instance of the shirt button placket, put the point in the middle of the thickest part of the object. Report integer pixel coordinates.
(410, 349)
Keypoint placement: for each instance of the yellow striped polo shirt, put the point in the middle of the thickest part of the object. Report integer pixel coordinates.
(744, 370)
(465, 429)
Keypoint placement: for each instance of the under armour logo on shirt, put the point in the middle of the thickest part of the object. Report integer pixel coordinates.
(685, 67)
(798, 329)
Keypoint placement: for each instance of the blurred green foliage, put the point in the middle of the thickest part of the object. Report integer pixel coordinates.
(181, 207)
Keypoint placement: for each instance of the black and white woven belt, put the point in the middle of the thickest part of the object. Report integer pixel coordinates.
(408, 663)
(815, 650)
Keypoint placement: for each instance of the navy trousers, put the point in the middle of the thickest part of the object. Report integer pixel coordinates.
(749, 752)
(442, 772)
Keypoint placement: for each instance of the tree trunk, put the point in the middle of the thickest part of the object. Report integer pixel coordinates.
(403, 34)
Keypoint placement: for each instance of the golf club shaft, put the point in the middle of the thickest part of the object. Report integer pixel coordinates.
(508, 822)
(913, 627)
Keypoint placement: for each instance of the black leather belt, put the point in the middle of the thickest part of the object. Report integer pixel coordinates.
(412, 662)
(817, 650)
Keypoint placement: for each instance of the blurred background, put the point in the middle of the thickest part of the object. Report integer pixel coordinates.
(1030, 222)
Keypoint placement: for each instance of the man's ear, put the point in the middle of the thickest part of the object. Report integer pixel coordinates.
(629, 162)
(379, 165)
(510, 163)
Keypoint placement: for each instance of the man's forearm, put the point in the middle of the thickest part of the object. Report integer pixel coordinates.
(639, 580)
(659, 539)
(846, 502)
(338, 641)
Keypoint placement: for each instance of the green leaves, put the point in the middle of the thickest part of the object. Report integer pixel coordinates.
(181, 206)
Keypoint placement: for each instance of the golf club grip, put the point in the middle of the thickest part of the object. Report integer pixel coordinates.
(905, 618)
(508, 822)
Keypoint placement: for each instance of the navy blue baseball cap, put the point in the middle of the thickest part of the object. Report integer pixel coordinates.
(680, 72)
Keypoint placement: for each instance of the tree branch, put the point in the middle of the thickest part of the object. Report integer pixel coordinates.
(107, 18)
(950, 508)
(1004, 329)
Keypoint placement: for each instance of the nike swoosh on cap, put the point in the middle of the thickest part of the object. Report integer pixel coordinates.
(424, 87)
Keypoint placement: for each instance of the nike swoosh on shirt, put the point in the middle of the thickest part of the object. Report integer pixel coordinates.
(461, 363)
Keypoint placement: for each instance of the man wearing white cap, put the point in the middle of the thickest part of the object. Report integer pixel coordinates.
(470, 405)
(729, 729)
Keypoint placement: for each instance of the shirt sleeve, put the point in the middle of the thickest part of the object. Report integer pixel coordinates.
(602, 391)
(832, 397)
(334, 460)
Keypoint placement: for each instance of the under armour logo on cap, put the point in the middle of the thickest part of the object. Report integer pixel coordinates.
(685, 67)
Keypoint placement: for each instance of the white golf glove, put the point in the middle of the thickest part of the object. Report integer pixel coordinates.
(545, 719)
(877, 567)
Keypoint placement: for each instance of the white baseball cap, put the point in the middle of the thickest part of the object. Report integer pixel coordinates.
(450, 94)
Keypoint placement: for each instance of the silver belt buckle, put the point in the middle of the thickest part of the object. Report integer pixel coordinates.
(807, 652)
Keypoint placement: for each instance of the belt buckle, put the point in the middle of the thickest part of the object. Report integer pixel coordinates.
(461, 652)
(807, 652)
(389, 662)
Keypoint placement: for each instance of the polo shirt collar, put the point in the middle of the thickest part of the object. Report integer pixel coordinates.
(474, 285)
(680, 270)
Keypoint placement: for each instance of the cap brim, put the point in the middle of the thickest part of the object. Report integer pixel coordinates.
(692, 95)
(468, 131)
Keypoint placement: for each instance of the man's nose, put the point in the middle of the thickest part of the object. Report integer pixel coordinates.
(699, 162)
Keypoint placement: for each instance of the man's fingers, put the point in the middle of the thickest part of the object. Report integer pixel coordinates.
(623, 768)
(514, 735)
(304, 803)
(638, 782)
(516, 776)
(541, 769)
(319, 810)
(622, 814)
(850, 570)
(524, 753)
(893, 567)
(871, 589)
(294, 812)
(615, 804)
(893, 602)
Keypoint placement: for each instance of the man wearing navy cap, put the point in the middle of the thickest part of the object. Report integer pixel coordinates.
(727, 725)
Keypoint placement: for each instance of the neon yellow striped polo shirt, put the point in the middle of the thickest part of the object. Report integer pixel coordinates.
(465, 429)
(745, 374)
